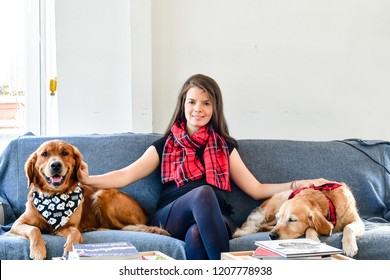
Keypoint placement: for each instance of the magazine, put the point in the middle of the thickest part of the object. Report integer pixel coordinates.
(104, 251)
(263, 253)
(301, 247)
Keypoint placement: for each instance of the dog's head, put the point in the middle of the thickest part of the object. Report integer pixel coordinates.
(304, 211)
(53, 167)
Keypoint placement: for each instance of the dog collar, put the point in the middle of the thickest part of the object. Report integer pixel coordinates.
(326, 187)
(57, 209)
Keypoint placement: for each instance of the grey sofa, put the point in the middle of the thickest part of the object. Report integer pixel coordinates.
(364, 165)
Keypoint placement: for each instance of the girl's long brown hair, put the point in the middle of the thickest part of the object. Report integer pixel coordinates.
(218, 121)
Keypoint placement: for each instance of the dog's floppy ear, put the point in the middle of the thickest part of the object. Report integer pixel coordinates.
(78, 160)
(29, 168)
(320, 224)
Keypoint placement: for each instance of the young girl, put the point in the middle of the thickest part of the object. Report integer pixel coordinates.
(197, 158)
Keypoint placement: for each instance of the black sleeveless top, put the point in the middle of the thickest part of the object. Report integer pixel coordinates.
(171, 192)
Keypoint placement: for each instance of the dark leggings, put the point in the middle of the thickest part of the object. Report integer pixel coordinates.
(196, 219)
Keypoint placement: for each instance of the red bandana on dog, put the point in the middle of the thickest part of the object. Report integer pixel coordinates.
(181, 164)
(326, 187)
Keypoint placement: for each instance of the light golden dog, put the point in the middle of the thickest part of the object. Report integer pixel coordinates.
(312, 211)
(58, 204)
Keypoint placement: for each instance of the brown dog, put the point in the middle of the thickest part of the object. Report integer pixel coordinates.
(312, 211)
(58, 204)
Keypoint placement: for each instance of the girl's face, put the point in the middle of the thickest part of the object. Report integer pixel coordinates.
(198, 109)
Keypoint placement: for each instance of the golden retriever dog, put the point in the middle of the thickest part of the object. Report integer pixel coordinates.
(311, 212)
(58, 204)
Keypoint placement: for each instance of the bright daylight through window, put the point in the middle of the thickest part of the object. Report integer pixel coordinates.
(27, 63)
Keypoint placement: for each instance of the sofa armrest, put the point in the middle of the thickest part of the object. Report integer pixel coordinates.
(6, 214)
(2, 217)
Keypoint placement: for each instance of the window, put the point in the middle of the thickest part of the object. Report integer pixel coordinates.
(26, 64)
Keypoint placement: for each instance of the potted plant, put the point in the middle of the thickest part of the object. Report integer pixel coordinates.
(12, 107)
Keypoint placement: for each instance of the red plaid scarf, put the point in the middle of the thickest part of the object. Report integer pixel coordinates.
(326, 187)
(181, 164)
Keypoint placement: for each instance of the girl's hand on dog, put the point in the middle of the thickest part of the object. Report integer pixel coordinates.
(297, 184)
(83, 173)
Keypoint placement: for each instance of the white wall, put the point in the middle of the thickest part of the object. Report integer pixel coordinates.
(94, 66)
(141, 65)
(302, 69)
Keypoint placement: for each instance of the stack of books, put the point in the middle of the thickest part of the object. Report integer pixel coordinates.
(104, 251)
(301, 248)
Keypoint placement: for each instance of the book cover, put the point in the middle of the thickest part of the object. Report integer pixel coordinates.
(263, 253)
(105, 251)
(301, 247)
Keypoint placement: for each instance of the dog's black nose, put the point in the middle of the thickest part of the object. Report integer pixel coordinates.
(273, 235)
(56, 166)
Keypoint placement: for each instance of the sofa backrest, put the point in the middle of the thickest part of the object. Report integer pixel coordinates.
(363, 165)
(103, 153)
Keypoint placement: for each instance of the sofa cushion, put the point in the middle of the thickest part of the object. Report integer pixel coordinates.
(17, 248)
(371, 246)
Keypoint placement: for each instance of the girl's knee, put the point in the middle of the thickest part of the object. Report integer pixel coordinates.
(204, 192)
(193, 233)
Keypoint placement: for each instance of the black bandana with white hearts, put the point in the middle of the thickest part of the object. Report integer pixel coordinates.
(57, 209)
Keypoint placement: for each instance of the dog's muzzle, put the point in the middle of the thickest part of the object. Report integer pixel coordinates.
(55, 178)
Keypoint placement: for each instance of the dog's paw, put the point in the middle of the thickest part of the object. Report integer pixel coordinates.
(161, 231)
(350, 249)
(37, 245)
(312, 234)
(37, 255)
(38, 252)
(241, 232)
